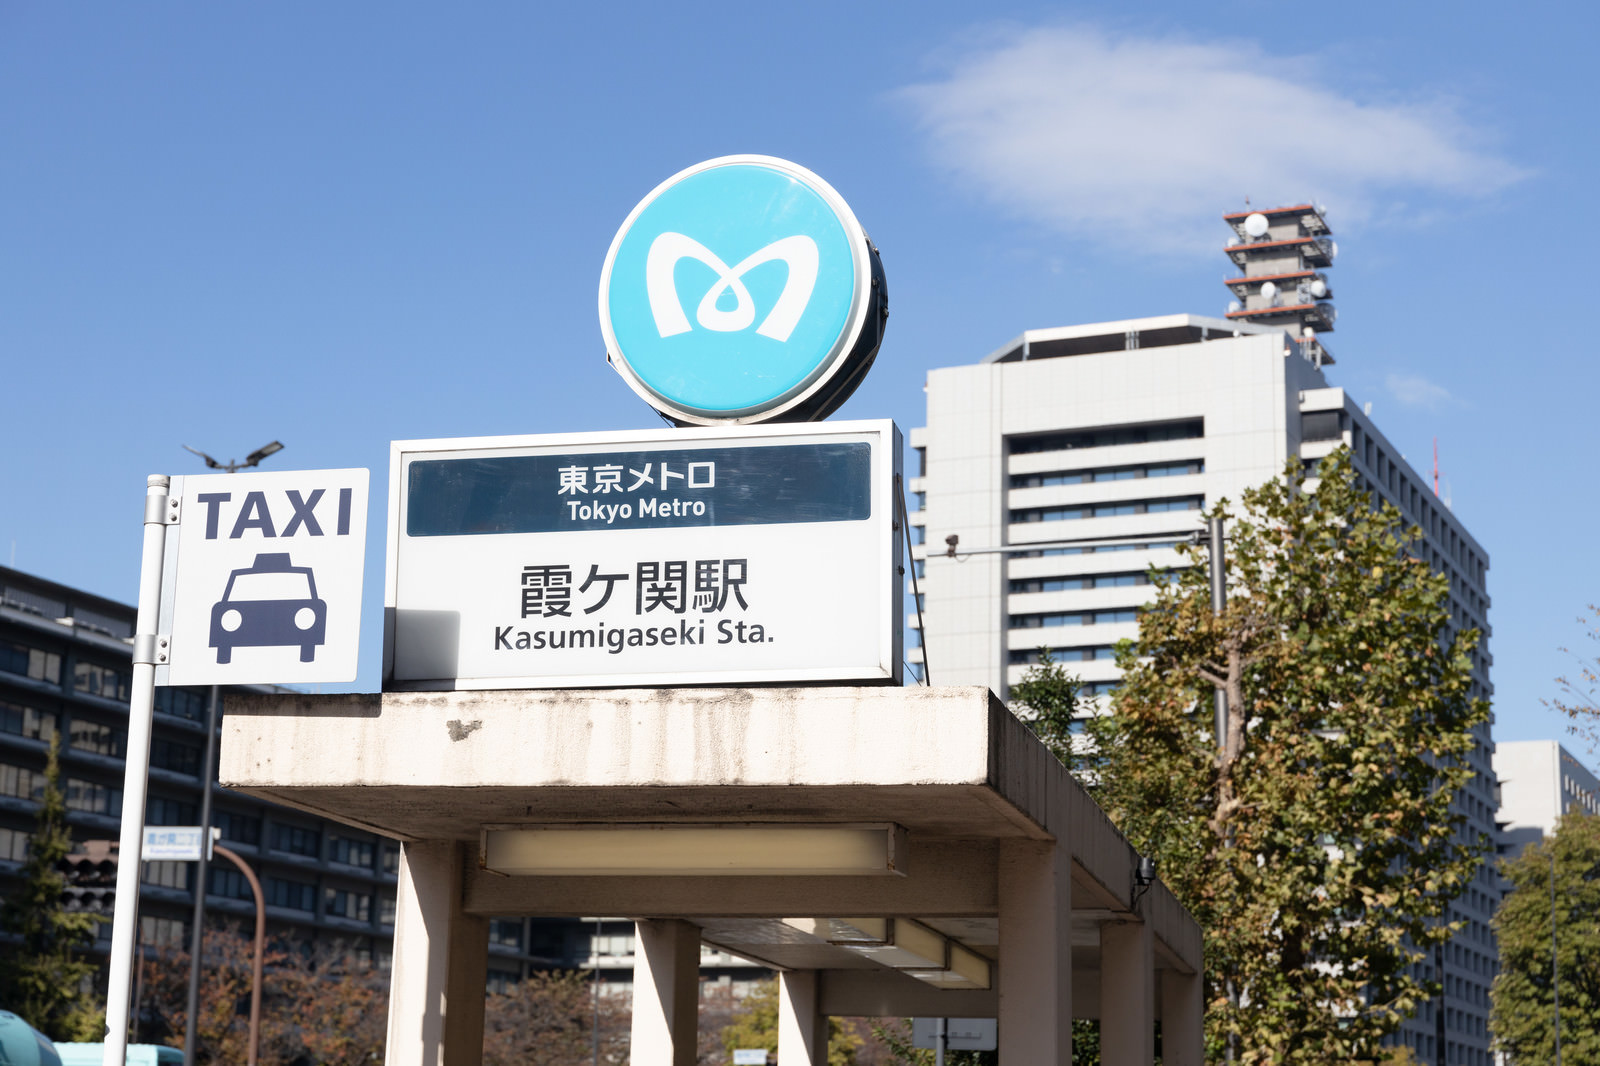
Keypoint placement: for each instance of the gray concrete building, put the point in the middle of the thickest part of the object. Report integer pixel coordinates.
(1059, 468)
(64, 672)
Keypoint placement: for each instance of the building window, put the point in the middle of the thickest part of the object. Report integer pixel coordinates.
(227, 883)
(26, 721)
(1107, 510)
(1188, 429)
(101, 681)
(239, 828)
(386, 907)
(13, 842)
(291, 895)
(339, 903)
(350, 852)
(507, 932)
(498, 982)
(1040, 553)
(611, 944)
(162, 811)
(92, 798)
(166, 874)
(1083, 581)
(1030, 656)
(164, 932)
(21, 782)
(296, 840)
(184, 703)
(391, 860)
(171, 755)
(1322, 425)
(1074, 618)
(98, 738)
(1110, 473)
(34, 663)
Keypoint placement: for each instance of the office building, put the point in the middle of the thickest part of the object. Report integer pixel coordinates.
(65, 672)
(1539, 782)
(1058, 469)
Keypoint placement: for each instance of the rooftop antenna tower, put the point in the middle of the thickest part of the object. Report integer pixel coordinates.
(1281, 253)
(1436, 467)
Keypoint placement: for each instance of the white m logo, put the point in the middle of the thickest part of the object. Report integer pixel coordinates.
(799, 253)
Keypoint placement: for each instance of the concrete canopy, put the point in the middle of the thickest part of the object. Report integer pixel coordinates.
(966, 780)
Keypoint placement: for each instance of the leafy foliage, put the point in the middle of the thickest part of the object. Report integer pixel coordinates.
(549, 1019)
(43, 980)
(323, 1007)
(1522, 1012)
(756, 1026)
(1580, 699)
(1316, 845)
(1047, 699)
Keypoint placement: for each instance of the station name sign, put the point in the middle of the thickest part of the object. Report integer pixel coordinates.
(670, 557)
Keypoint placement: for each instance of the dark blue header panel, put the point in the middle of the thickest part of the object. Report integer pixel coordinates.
(658, 488)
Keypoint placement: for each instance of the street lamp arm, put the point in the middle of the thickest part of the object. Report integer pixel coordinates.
(210, 462)
(261, 938)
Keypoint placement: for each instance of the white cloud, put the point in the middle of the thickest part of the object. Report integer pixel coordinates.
(1414, 390)
(1144, 142)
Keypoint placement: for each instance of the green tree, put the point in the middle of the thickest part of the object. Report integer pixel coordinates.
(1047, 699)
(45, 978)
(756, 1026)
(1522, 1000)
(1316, 846)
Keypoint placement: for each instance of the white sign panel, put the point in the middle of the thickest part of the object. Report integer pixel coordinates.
(262, 583)
(748, 1056)
(172, 843)
(960, 1034)
(653, 558)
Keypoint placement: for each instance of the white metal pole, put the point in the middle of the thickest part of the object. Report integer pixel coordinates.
(149, 648)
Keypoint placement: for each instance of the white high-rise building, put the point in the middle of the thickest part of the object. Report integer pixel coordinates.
(1057, 470)
(1539, 782)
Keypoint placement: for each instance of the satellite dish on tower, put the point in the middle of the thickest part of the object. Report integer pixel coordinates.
(1255, 224)
(1319, 288)
(1268, 290)
(1235, 305)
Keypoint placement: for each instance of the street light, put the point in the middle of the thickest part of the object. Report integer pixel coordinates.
(232, 466)
(197, 932)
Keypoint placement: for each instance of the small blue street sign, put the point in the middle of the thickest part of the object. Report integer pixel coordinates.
(742, 290)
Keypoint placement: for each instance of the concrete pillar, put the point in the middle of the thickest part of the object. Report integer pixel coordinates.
(441, 962)
(666, 993)
(1183, 1014)
(802, 1029)
(1127, 995)
(1035, 970)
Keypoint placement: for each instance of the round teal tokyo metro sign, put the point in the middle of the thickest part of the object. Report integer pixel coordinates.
(742, 290)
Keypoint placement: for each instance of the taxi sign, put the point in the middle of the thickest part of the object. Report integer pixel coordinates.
(262, 583)
(742, 290)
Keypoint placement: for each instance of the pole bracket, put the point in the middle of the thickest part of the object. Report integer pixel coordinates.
(162, 510)
(151, 649)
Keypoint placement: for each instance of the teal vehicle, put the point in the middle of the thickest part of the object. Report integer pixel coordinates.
(138, 1055)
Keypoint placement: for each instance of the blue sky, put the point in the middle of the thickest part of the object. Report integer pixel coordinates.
(341, 224)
